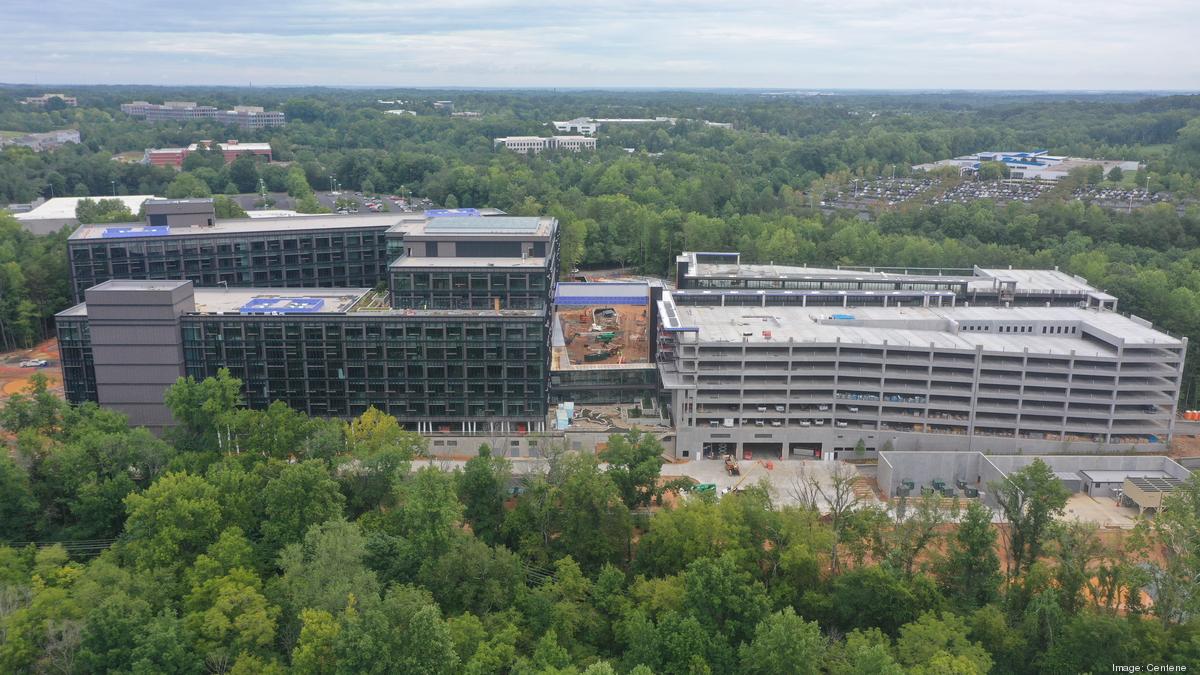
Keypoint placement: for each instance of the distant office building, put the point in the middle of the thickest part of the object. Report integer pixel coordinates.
(400, 111)
(231, 149)
(251, 117)
(467, 113)
(580, 125)
(41, 101)
(247, 117)
(41, 142)
(534, 144)
(1029, 165)
(588, 126)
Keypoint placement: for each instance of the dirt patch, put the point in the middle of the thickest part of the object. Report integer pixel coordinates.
(14, 379)
(605, 334)
(1185, 446)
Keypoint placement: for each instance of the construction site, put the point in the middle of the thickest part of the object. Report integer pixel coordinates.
(601, 351)
(600, 334)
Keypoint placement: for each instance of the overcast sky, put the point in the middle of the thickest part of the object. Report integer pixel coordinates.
(883, 44)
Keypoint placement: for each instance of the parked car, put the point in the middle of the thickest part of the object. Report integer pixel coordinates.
(34, 363)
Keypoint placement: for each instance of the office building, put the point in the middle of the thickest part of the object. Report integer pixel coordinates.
(588, 126)
(251, 117)
(534, 144)
(247, 117)
(319, 251)
(464, 348)
(469, 262)
(41, 101)
(230, 150)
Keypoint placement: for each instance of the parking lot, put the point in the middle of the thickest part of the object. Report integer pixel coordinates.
(869, 194)
(1001, 191)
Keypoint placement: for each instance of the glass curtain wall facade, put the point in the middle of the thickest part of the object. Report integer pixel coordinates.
(469, 289)
(347, 258)
(437, 370)
(75, 352)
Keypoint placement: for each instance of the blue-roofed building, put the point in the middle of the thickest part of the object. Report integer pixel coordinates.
(1028, 164)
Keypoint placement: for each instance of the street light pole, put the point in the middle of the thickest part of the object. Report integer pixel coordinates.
(114, 187)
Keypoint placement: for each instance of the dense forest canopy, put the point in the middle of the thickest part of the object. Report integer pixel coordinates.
(269, 542)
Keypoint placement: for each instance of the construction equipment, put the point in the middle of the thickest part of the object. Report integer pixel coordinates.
(731, 466)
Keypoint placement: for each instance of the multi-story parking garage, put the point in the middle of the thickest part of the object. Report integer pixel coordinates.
(809, 381)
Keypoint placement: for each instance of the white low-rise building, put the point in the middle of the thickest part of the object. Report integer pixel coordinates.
(535, 144)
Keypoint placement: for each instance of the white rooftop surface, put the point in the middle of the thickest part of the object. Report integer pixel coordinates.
(64, 207)
(767, 271)
(1108, 476)
(253, 225)
(469, 226)
(1034, 280)
(279, 213)
(235, 146)
(1039, 280)
(915, 326)
(213, 300)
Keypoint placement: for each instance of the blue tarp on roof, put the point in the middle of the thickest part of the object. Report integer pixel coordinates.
(283, 306)
(120, 232)
(443, 213)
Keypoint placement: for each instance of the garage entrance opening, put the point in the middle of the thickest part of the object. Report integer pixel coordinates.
(805, 450)
(756, 451)
(717, 450)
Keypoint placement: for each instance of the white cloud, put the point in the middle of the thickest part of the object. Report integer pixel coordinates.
(1077, 44)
